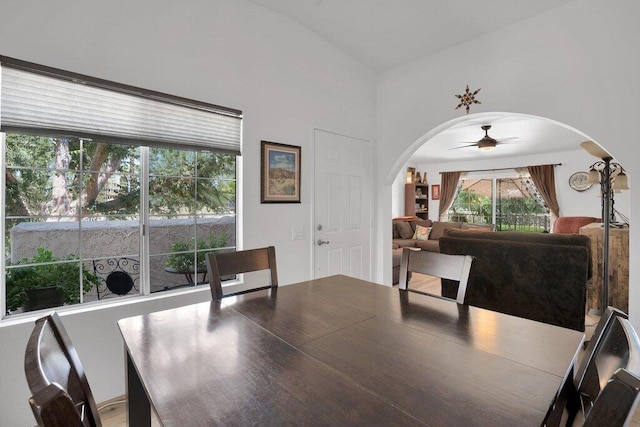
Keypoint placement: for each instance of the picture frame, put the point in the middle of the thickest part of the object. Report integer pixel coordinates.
(279, 173)
(435, 192)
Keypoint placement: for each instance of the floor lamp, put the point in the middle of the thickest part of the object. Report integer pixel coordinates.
(611, 177)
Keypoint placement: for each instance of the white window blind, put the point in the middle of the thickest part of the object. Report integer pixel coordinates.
(37, 99)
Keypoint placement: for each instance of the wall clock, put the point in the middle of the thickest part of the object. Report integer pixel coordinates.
(578, 181)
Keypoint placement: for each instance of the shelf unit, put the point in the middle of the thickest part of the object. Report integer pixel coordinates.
(416, 201)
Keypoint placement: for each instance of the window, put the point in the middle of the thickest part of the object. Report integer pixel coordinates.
(508, 200)
(73, 216)
(108, 190)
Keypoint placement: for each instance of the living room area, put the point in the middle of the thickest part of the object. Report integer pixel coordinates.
(495, 195)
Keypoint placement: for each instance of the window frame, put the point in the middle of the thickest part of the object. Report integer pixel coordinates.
(68, 78)
(494, 176)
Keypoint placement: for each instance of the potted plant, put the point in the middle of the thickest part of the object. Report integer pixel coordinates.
(42, 285)
(181, 260)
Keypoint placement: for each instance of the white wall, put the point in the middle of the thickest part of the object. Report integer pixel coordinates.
(285, 79)
(572, 203)
(575, 64)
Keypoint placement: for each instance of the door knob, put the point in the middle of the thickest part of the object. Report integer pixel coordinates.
(322, 242)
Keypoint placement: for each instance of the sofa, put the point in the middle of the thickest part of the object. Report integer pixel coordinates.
(572, 224)
(537, 276)
(404, 229)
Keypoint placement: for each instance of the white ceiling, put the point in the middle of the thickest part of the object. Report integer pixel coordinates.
(383, 34)
(534, 136)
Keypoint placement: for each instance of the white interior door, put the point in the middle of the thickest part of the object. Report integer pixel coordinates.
(342, 201)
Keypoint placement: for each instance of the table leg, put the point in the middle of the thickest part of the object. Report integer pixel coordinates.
(138, 406)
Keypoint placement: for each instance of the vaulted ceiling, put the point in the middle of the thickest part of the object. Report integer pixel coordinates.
(384, 34)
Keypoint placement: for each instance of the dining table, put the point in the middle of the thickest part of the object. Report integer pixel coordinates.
(342, 351)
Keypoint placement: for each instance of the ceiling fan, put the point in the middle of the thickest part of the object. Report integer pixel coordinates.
(487, 143)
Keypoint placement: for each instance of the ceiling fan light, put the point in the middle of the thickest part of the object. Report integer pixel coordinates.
(486, 147)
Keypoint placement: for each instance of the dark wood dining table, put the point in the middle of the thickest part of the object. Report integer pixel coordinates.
(342, 351)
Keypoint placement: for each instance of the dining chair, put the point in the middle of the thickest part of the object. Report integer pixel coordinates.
(51, 358)
(599, 332)
(615, 346)
(617, 403)
(619, 347)
(53, 407)
(222, 264)
(445, 266)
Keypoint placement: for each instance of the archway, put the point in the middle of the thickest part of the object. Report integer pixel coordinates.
(575, 203)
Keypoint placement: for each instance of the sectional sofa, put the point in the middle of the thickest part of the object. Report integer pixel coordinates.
(537, 276)
(404, 230)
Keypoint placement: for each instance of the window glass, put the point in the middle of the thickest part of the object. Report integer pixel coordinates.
(511, 203)
(73, 219)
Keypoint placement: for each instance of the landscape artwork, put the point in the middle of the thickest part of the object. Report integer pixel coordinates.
(280, 171)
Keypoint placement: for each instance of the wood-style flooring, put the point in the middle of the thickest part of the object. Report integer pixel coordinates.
(113, 412)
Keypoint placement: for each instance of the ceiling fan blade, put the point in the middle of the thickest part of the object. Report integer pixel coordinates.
(464, 146)
(510, 138)
(466, 142)
(512, 142)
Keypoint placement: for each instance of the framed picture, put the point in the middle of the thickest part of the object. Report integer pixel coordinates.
(280, 173)
(435, 192)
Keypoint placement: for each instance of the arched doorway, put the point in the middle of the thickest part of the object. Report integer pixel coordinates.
(550, 142)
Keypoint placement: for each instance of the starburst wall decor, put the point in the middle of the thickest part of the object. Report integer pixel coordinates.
(468, 98)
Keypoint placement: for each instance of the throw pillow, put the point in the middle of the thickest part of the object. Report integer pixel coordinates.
(422, 233)
(404, 230)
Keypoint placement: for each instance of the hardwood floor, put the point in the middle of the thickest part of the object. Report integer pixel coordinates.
(113, 412)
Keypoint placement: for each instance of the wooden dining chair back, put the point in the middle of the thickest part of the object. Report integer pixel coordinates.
(51, 358)
(618, 348)
(222, 264)
(445, 266)
(604, 324)
(53, 407)
(617, 403)
(615, 345)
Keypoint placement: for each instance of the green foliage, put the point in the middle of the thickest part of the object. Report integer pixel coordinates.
(182, 257)
(65, 275)
(468, 202)
(188, 182)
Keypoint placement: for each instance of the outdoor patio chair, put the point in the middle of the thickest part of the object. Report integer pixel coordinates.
(445, 266)
(50, 358)
(120, 275)
(229, 263)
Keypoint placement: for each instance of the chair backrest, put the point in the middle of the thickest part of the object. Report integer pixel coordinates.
(229, 263)
(614, 345)
(53, 407)
(617, 403)
(619, 347)
(120, 275)
(50, 358)
(601, 328)
(445, 266)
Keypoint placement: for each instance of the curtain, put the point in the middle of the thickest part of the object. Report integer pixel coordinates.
(447, 192)
(544, 178)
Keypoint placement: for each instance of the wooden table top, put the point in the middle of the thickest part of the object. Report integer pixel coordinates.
(339, 350)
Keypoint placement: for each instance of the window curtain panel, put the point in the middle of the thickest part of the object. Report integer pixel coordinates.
(545, 181)
(448, 188)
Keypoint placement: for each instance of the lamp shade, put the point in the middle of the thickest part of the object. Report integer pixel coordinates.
(620, 182)
(594, 177)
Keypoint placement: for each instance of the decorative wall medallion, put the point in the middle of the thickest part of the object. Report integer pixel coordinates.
(578, 181)
(468, 98)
